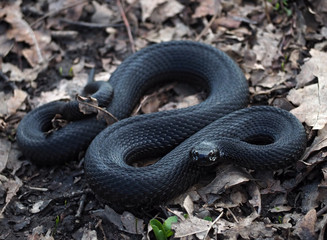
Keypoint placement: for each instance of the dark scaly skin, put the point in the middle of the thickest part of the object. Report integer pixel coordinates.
(164, 134)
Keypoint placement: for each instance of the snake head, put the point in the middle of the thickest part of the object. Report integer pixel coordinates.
(205, 154)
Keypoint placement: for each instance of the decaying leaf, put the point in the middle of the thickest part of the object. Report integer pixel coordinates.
(246, 228)
(312, 99)
(12, 187)
(16, 101)
(190, 226)
(90, 105)
(164, 9)
(227, 176)
(207, 7)
(266, 48)
(102, 14)
(37, 234)
(5, 147)
(305, 227)
(126, 222)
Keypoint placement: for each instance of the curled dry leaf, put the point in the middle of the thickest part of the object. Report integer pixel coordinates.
(12, 187)
(227, 176)
(21, 31)
(90, 105)
(312, 99)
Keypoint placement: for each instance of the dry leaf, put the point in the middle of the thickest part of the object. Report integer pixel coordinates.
(246, 227)
(148, 6)
(5, 147)
(163, 35)
(16, 75)
(165, 11)
(207, 7)
(227, 176)
(312, 104)
(190, 226)
(12, 187)
(305, 227)
(16, 101)
(266, 48)
(89, 235)
(312, 99)
(102, 14)
(160, 10)
(20, 29)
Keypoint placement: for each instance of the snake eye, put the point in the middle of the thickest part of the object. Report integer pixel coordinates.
(195, 155)
(212, 156)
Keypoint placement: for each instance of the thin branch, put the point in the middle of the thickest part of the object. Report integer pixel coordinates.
(205, 30)
(128, 28)
(54, 12)
(89, 24)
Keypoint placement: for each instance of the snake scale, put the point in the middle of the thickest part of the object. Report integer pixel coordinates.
(220, 128)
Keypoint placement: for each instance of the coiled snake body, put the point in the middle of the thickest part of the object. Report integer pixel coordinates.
(186, 139)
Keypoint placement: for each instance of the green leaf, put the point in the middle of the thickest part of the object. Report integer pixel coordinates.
(167, 225)
(288, 11)
(208, 218)
(158, 229)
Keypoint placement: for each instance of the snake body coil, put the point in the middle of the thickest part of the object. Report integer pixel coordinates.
(175, 135)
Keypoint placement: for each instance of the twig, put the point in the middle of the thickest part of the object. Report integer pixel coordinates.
(266, 11)
(49, 14)
(89, 24)
(213, 223)
(81, 206)
(232, 215)
(205, 30)
(128, 28)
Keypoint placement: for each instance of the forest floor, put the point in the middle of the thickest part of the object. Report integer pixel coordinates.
(47, 49)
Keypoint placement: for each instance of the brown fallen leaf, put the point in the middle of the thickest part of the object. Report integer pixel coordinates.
(226, 177)
(191, 225)
(305, 227)
(89, 105)
(247, 228)
(5, 147)
(12, 187)
(160, 10)
(166, 11)
(266, 47)
(312, 99)
(16, 101)
(207, 7)
(102, 14)
(312, 104)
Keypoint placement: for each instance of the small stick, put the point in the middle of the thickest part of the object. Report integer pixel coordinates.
(81, 206)
(128, 28)
(266, 11)
(89, 24)
(205, 30)
(213, 223)
(49, 14)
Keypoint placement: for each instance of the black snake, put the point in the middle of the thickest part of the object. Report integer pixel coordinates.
(186, 140)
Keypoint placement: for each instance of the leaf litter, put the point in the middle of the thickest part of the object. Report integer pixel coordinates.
(46, 49)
